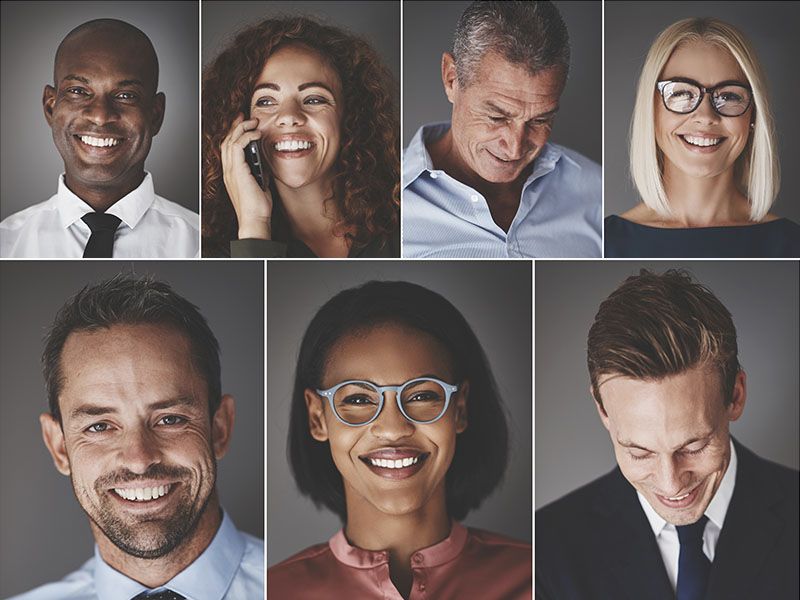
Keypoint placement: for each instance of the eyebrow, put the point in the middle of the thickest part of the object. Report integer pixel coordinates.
(300, 88)
(96, 410)
(699, 438)
(124, 82)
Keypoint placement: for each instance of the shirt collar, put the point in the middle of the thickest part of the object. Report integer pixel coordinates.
(208, 577)
(438, 554)
(716, 509)
(130, 209)
(417, 159)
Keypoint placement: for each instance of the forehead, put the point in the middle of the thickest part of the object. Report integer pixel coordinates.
(106, 55)
(387, 354)
(128, 364)
(704, 62)
(668, 408)
(499, 80)
(295, 64)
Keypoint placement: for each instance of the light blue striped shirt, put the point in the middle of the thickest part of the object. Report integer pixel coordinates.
(231, 568)
(559, 215)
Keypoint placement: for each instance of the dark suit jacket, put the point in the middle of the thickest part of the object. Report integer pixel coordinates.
(596, 542)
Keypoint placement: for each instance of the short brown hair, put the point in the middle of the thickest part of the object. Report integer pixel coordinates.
(653, 326)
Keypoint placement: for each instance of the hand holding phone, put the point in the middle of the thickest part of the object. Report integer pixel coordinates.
(252, 154)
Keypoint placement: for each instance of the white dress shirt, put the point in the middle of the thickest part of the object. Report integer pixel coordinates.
(667, 535)
(231, 568)
(151, 227)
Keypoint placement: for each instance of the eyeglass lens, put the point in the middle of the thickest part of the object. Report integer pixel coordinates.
(357, 403)
(729, 100)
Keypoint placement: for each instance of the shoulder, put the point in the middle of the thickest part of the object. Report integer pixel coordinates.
(574, 160)
(494, 545)
(253, 551)
(299, 565)
(579, 505)
(19, 219)
(78, 585)
(177, 212)
(784, 479)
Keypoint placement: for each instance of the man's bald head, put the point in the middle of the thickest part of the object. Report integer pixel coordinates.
(111, 36)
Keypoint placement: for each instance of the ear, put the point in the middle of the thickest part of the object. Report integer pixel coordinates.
(462, 395)
(53, 437)
(48, 102)
(222, 425)
(600, 410)
(317, 426)
(157, 115)
(449, 77)
(736, 407)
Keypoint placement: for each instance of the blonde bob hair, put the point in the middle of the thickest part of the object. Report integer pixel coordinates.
(756, 171)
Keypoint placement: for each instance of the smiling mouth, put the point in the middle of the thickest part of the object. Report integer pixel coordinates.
(143, 494)
(395, 464)
(681, 500)
(98, 144)
(292, 145)
(702, 143)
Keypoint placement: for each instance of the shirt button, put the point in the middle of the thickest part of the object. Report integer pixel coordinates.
(418, 558)
(434, 175)
(474, 198)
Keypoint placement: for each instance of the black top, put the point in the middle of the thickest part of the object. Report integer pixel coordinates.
(776, 239)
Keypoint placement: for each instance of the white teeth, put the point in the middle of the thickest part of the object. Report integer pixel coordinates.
(142, 494)
(676, 498)
(99, 142)
(292, 145)
(699, 141)
(400, 463)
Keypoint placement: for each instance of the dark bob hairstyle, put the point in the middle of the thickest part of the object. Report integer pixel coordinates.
(481, 451)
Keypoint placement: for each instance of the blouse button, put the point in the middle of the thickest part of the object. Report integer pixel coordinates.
(418, 558)
(434, 174)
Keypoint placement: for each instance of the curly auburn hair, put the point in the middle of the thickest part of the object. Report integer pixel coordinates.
(367, 181)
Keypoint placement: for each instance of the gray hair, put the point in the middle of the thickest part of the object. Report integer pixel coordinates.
(531, 34)
(128, 300)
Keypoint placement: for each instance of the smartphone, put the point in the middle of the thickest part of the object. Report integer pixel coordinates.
(252, 154)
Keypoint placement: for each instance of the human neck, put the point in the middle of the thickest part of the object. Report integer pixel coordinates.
(399, 535)
(704, 201)
(102, 198)
(311, 214)
(503, 198)
(154, 572)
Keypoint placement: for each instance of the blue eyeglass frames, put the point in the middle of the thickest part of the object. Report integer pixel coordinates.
(422, 400)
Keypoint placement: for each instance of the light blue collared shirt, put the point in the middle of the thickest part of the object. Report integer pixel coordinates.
(559, 215)
(231, 568)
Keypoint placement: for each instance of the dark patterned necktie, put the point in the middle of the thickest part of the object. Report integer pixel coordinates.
(693, 564)
(101, 242)
(162, 595)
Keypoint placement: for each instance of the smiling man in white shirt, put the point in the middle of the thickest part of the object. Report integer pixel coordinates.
(690, 513)
(104, 110)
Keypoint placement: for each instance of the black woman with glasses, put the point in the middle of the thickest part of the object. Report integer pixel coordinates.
(397, 426)
(703, 153)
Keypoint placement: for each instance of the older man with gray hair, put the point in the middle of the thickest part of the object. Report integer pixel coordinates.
(488, 184)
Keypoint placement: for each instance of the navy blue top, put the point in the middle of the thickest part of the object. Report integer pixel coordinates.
(776, 239)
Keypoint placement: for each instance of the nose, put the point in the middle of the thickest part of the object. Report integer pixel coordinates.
(290, 114)
(139, 450)
(101, 110)
(705, 113)
(670, 476)
(391, 424)
(515, 139)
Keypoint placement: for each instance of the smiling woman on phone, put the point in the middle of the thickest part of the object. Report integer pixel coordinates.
(316, 101)
(397, 426)
(703, 152)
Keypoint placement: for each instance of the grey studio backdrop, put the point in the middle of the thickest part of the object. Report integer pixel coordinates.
(377, 21)
(573, 447)
(630, 29)
(428, 29)
(495, 299)
(31, 32)
(45, 534)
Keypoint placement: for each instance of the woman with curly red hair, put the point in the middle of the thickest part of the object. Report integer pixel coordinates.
(318, 103)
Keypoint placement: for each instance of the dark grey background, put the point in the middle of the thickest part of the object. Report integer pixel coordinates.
(45, 534)
(428, 29)
(377, 22)
(573, 447)
(631, 27)
(31, 32)
(494, 297)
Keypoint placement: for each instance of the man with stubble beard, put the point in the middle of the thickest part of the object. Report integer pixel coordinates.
(137, 421)
(104, 109)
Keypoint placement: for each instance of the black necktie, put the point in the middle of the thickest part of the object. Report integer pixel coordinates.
(101, 242)
(693, 565)
(162, 595)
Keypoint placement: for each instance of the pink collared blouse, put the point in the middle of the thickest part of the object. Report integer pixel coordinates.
(469, 563)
